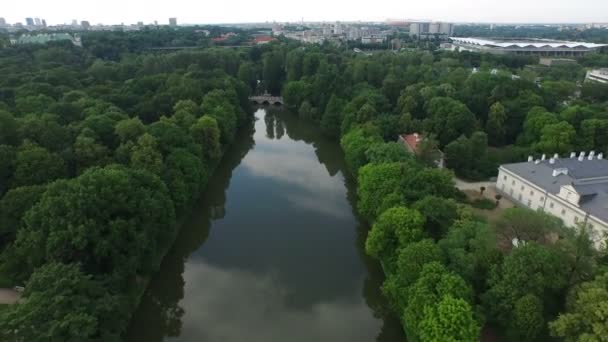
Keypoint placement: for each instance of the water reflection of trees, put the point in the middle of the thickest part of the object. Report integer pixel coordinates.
(159, 314)
(328, 151)
(331, 156)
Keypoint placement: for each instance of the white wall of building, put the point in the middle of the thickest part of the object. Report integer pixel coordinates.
(535, 198)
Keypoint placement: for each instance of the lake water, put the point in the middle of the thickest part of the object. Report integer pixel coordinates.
(273, 252)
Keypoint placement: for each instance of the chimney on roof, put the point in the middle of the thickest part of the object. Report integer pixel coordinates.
(591, 155)
(560, 171)
(600, 156)
(537, 161)
(543, 157)
(530, 159)
(582, 154)
(556, 156)
(572, 154)
(581, 158)
(551, 160)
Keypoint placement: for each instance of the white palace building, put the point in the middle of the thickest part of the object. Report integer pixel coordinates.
(574, 189)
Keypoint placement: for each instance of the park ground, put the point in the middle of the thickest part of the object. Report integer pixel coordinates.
(473, 192)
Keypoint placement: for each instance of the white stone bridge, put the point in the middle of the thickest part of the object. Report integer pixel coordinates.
(266, 99)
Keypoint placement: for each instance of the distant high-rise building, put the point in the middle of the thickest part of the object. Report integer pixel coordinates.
(172, 21)
(155, 22)
(29, 21)
(43, 23)
(140, 23)
(425, 30)
(2, 22)
(85, 24)
(37, 22)
(74, 22)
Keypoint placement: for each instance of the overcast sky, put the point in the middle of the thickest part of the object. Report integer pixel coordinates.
(233, 11)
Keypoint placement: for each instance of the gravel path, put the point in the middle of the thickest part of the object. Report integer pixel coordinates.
(9, 296)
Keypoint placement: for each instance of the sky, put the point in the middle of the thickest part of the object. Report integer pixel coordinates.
(244, 11)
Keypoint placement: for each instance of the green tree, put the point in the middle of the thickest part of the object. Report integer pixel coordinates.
(527, 225)
(126, 238)
(412, 258)
(536, 120)
(45, 130)
(439, 212)
(207, 133)
(396, 227)
(390, 152)
(247, 74)
(332, 117)
(36, 165)
(8, 129)
(449, 320)
(471, 251)
(376, 182)
(459, 156)
(13, 207)
(308, 112)
(528, 321)
(129, 129)
(89, 153)
(294, 93)
(185, 175)
(145, 155)
(273, 71)
(495, 126)
(62, 304)
(217, 105)
(448, 119)
(7, 166)
(557, 138)
(593, 135)
(586, 313)
(435, 282)
(528, 270)
(355, 143)
(557, 91)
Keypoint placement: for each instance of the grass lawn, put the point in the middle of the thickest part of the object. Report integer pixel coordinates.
(489, 216)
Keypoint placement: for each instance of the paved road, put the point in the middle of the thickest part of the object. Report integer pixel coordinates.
(9, 296)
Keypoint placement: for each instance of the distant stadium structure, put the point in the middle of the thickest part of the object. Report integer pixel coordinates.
(525, 46)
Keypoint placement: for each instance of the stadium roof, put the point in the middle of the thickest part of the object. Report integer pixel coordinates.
(525, 43)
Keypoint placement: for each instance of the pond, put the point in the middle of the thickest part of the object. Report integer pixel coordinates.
(273, 252)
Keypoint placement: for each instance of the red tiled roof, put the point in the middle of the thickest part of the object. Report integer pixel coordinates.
(263, 39)
(412, 140)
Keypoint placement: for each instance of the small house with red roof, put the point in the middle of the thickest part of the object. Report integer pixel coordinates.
(259, 40)
(411, 142)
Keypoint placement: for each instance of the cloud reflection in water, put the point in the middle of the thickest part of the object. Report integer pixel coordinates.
(231, 305)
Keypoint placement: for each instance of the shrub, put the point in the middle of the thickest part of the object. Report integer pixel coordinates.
(484, 203)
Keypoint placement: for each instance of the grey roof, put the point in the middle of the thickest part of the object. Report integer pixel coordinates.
(588, 177)
(525, 43)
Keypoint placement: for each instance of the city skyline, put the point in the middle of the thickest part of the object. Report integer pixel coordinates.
(241, 11)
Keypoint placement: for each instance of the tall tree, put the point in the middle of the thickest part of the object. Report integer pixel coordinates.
(495, 126)
(332, 117)
(449, 320)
